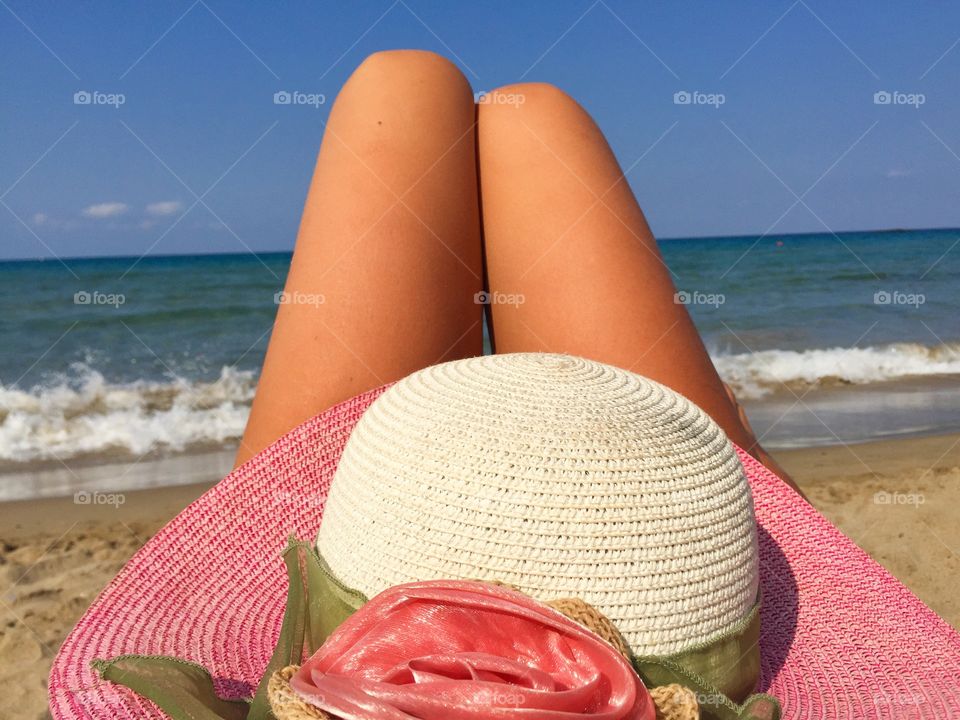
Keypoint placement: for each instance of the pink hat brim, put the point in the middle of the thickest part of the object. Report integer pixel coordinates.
(840, 638)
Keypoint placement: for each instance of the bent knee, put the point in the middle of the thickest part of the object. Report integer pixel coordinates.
(408, 66)
(530, 97)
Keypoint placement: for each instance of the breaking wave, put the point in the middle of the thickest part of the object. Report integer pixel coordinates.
(83, 414)
(754, 375)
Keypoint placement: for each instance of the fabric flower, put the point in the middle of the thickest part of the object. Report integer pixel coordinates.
(460, 649)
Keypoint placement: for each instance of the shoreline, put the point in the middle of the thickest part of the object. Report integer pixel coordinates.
(56, 518)
(789, 419)
(894, 498)
(835, 414)
(94, 480)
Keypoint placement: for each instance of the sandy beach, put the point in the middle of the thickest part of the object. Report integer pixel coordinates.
(894, 498)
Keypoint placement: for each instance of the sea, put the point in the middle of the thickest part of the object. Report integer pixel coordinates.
(826, 338)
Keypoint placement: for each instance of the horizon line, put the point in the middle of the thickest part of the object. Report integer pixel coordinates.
(675, 238)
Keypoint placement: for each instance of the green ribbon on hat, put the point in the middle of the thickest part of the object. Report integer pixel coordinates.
(721, 672)
(729, 662)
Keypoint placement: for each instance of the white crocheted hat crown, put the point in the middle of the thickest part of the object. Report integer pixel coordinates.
(562, 476)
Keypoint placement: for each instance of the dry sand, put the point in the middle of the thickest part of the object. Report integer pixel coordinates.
(55, 556)
(897, 499)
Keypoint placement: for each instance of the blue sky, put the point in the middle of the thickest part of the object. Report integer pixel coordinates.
(798, 118)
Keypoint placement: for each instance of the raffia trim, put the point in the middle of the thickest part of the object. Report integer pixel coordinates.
(673, 702)
(285, 703)
(592, 619)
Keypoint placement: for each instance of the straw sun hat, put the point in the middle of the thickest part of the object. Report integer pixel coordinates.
(560, 476)
(552, 445)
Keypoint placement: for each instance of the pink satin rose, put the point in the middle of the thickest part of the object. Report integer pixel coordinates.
(447, 650)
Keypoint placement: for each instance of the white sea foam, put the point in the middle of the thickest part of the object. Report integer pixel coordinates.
(85, 415)
(754, 375)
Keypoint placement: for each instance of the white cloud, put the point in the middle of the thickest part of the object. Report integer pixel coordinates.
(105, 210)
(164, 207)
(41, 219)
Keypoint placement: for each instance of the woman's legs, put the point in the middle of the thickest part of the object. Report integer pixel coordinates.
(563, 229)
(388, 257)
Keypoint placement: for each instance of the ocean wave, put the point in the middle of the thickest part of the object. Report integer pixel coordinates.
(754, 375)
(83, 414)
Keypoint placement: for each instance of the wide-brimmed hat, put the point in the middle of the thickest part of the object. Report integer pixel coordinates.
(839, 636)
